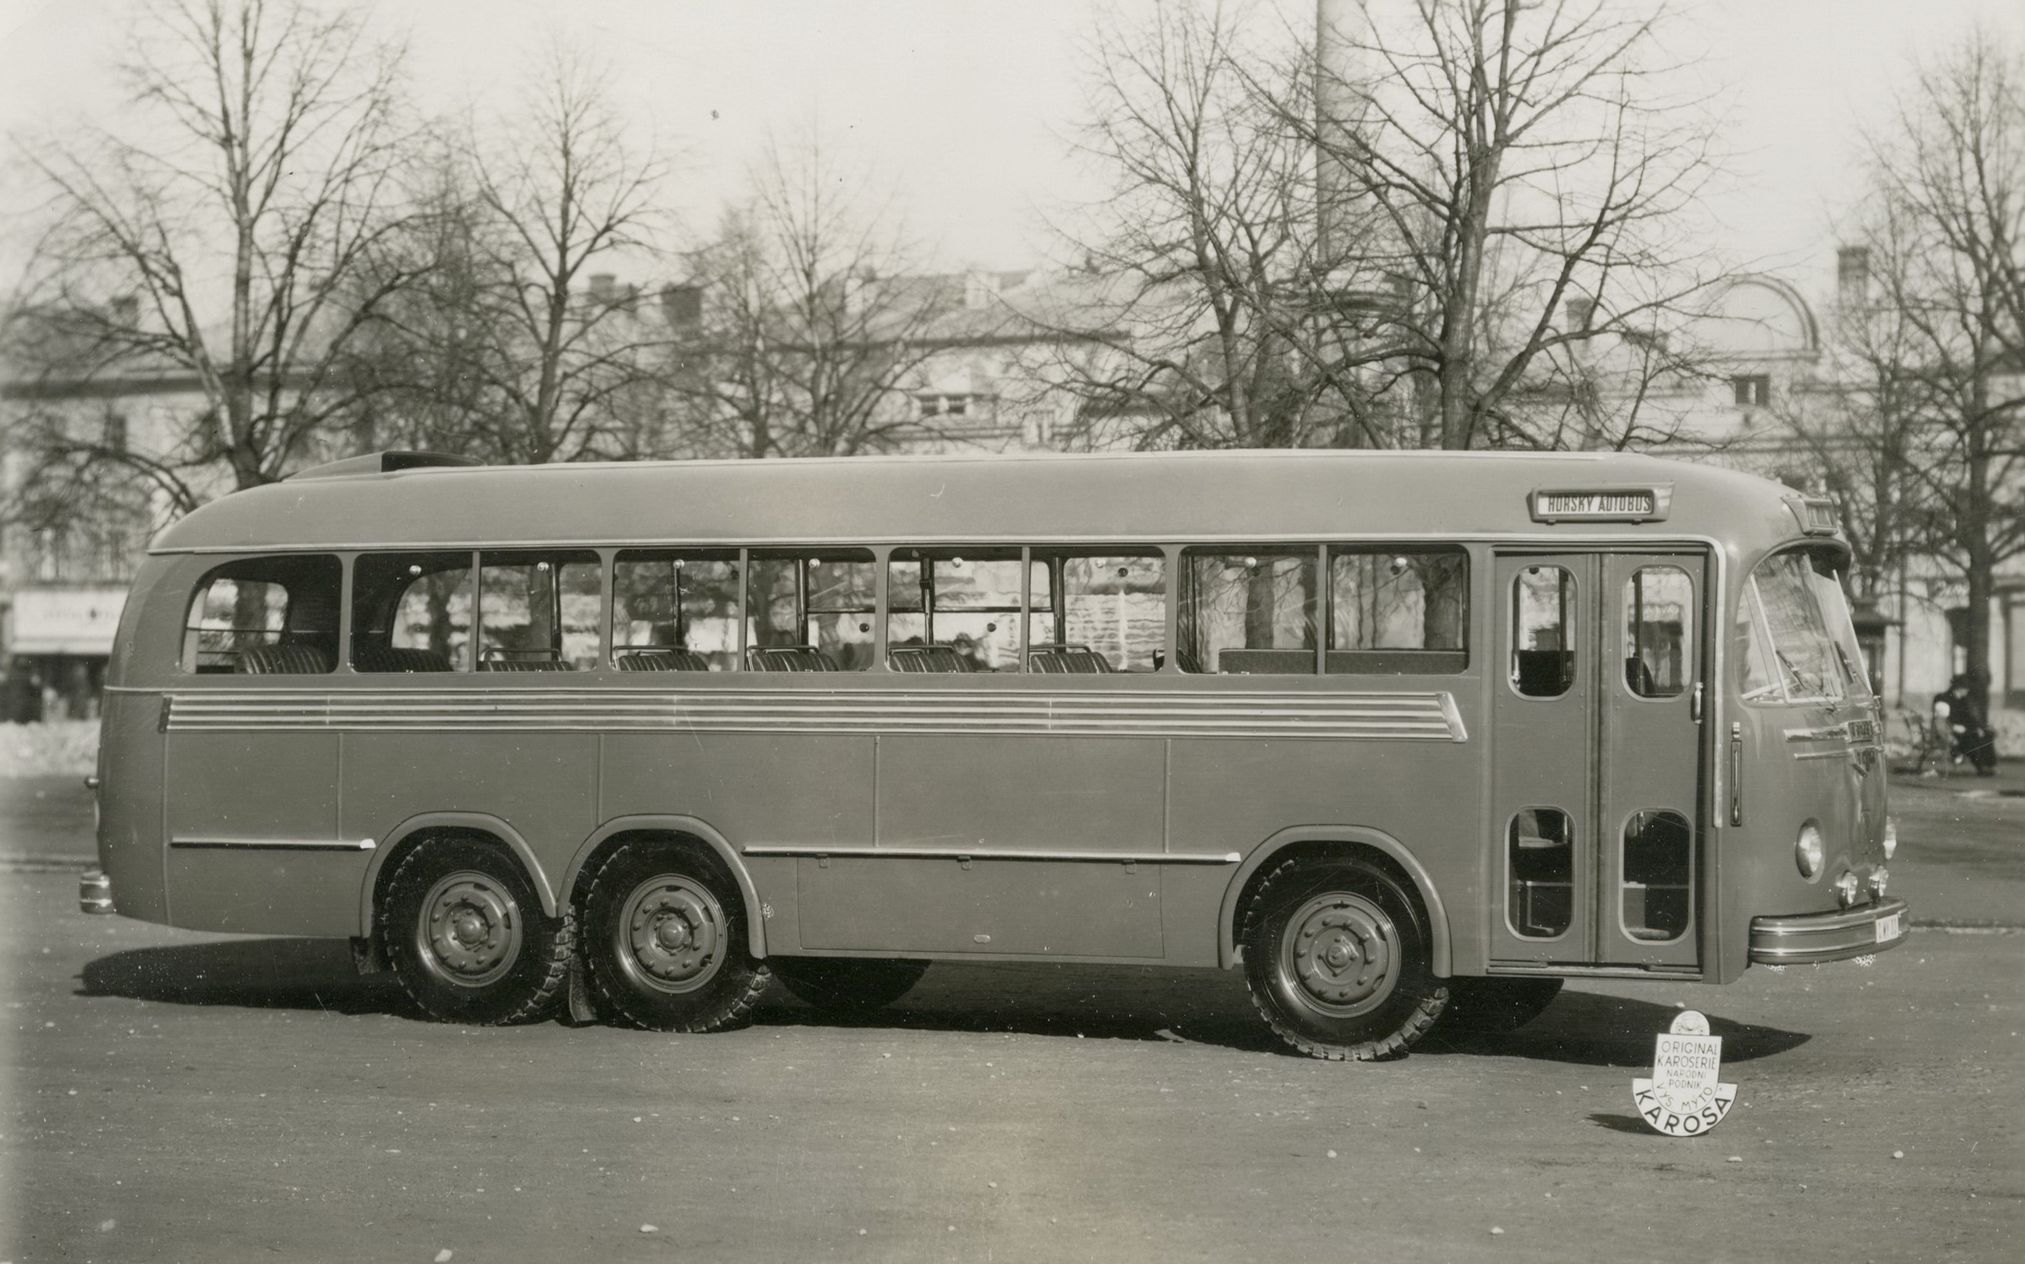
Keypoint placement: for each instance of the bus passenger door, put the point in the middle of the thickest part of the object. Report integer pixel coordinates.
(1595, 760)
(1650, 767)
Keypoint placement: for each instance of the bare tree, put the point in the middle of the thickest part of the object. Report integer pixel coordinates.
(1519, 177)
(810, 315)
(1949, 177)
(1199, 258)
(1489, 253)
(1863, 419)
(530, 350)
(223, 239)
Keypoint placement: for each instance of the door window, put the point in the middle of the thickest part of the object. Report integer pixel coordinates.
(1540, 857)
(1657, 883)
(1543, 654)
(1658, 631)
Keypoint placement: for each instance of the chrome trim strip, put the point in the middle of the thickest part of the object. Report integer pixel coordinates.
(1430, 716)
(1816, 937)
(961, 853)
(276, 844)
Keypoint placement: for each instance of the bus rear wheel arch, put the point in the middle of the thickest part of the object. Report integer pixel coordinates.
(665, 941)
(1338, 957)
(461, 925)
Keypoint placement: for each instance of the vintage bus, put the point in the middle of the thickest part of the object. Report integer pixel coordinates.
(1408, 737)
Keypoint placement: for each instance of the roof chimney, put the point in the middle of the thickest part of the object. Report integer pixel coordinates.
(682, 305)
(1852, 275)
(603, 287)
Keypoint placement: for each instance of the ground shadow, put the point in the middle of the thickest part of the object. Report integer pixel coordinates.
(251, 973)
(1208, 1007)
(1621, 1123)
(1590, 1029)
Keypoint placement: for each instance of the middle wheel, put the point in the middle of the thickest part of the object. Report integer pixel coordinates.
(667, 940)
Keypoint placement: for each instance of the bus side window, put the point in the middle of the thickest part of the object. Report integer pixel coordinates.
(1097, 613)
(1249, 612)
(265, 616)
(1543, 665)
(811, 611)
(411, 612)
(1658, 604)
(955, 609)
(538, 612)
(1395, 610)
(675, 610)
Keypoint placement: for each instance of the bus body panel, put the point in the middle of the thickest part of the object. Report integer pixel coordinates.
(754, 788)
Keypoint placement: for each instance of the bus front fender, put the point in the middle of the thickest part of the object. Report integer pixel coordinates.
(755, 919)
(1342, 835)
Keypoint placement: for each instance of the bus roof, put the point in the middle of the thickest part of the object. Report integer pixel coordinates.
(1167, 496)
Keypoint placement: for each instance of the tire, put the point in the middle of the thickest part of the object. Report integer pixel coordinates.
(1493, 1007)
(847, 985)
(1338, 960)
(666, 940)
(463, 930)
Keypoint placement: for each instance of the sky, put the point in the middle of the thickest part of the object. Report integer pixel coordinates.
(969, 109)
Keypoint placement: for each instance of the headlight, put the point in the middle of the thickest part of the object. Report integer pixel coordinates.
(1808, 852)
(1890, 838)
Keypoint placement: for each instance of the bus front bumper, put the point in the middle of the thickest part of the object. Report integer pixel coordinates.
(1808, 938)
(94, 892)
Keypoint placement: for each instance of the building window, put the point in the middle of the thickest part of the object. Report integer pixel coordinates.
(1753, 390)
(928, 407)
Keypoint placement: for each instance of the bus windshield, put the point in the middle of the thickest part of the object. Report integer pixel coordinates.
(1798, 644)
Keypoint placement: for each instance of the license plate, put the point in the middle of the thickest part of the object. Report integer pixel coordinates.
(1888, 927)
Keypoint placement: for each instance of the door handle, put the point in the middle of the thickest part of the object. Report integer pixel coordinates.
(1736, 772)
(1695, 705)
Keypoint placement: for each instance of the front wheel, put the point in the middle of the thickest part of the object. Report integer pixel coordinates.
(666, 940)
(847, 985)
(1338, 960)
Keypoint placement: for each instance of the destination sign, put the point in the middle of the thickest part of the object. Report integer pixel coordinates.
(1614, 504)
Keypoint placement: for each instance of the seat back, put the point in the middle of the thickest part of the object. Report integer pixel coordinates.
(788, 658)
(1067, 660)
(294, 658)
(385, 658)
(659, 658)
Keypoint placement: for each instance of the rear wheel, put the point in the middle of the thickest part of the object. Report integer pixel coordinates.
(1495, 1006)
(847, 985)
(466, 937)
(1337, 956)
(666, 940)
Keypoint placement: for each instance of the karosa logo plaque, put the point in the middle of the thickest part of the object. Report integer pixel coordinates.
(1683, 1097)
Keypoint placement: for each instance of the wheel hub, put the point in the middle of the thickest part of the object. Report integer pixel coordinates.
(670, 934)
(1341, 953)
(470, 930)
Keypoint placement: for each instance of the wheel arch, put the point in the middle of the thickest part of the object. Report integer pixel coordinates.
(409, 831)
(683, 826)
(1331, 840)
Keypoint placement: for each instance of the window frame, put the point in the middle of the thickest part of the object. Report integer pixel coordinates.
(188, 650)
